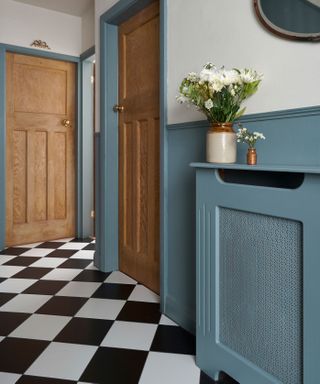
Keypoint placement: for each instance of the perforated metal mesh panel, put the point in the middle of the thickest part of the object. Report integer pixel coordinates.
(261, 291)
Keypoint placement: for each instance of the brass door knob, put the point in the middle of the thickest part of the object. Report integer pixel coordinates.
(66, 123)
(118, 108)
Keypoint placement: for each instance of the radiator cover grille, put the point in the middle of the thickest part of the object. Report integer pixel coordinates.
(261, 291)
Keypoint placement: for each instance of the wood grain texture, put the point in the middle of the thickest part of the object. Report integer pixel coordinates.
(19, 177)
(38, 169)
(139, 147)
(40, 181)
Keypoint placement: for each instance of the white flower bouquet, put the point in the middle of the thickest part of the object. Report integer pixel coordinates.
(250, 138)
(218, 92)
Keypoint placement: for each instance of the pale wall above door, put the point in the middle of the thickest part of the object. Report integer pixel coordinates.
(72, 7)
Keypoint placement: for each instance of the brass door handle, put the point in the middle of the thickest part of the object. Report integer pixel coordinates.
(66, 123)
(118, 108)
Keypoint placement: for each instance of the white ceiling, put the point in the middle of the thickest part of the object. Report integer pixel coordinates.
(72, 7)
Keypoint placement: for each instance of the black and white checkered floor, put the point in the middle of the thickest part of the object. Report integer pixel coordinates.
(62, 321)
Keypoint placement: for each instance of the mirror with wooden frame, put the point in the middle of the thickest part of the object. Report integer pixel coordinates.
(291, 19)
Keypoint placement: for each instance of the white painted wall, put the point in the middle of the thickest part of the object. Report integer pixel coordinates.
(20, 24)
(88, 29)
(227, 32)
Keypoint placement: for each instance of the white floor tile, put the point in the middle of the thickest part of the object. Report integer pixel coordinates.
(16, 285)
(1, 338)
(62, 274)
(48, 262)
(38, 252)
(118, 277)
(166, 321)
(33, 245)
(73, 245)
(8, 378)
(84, 254)
(130, 335)
(170, 368)
(5, 258)
(141, 293)
(62, 361)
(91, 267)
(9, 270)
(41, 327)
(79, 289)
(25, 303)
(101, 309)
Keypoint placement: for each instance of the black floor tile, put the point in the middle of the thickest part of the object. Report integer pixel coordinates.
(46, 287)
(64, 253)
(63, 306)
(23, 261)
(90, 247)
(84, 331)
(50, 244)
(14, 251)
(120, 366)
(140, 312)
(75, 264)
(92, 275)
(2, 279)
(81, 240)
(18, 354)
(9, 321)
(204, 379)
(5, 297)
(32, 273)
(225, 379)
(42, 380)
(114, 291)
(172, 339)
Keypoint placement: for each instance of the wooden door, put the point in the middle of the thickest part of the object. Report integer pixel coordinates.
(40, 181)
(139, 147)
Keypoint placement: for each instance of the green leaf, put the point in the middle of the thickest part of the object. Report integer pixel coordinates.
(240, 113)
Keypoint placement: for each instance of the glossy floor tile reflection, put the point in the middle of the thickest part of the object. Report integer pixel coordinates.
(63, 322)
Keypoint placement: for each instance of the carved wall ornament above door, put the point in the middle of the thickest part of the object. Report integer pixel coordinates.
(40, 44)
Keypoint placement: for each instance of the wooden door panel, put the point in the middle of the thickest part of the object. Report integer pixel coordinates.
(31, 92)
(139, 147)
(38, 171)
(19, 177)
(60, 146)
(40, 150)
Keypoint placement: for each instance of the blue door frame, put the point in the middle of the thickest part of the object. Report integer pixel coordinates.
(106, 258)
(4, 48)
(84, 148)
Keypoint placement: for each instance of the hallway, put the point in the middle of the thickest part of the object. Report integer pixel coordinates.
(62, 322)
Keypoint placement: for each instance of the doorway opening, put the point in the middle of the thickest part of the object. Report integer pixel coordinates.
(139, 146)
(87, 173)
(107, 245)
(40, 149)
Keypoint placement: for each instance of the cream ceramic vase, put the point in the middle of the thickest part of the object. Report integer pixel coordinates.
(221, 143)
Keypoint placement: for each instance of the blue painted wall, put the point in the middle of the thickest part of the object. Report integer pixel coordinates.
(98, 260)
(186, 143)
